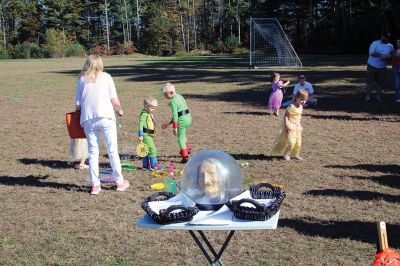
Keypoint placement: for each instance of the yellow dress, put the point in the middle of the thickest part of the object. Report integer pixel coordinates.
(289, 143)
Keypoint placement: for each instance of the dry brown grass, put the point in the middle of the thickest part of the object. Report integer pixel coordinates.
(349, 180)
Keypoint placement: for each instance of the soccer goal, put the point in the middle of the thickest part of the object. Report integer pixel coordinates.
(269, 45)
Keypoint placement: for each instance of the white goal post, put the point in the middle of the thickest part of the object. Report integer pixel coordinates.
(269, 45)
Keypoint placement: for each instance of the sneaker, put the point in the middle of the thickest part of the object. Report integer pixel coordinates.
(379, 100)
(184, 160)
(83, 166)
(398, 101)
(366, 99)
(146, 168)
(298, 158)
(286, 157)
(124, 185)
(95, 190)
(156, 167)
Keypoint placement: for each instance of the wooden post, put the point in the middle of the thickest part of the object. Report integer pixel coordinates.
(383, 241)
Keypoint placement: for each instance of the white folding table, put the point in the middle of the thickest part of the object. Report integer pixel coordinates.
(221, 220)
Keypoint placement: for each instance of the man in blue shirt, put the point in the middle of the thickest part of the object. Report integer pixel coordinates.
(379, 55)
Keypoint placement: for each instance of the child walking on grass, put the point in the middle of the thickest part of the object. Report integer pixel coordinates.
(288, 142)
(146, 133)
(78, 149)
(181, 118)
(275, 99)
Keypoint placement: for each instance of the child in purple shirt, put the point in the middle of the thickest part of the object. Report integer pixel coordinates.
(275, 99)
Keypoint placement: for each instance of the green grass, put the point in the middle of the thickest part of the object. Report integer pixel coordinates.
(348, 181)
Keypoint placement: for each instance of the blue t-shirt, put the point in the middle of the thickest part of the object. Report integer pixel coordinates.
(384, 49)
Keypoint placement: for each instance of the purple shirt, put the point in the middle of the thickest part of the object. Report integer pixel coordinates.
(277, 85)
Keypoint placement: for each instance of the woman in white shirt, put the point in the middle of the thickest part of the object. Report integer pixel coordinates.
(97, 99)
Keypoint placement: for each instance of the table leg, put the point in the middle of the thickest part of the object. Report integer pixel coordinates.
(217, 256)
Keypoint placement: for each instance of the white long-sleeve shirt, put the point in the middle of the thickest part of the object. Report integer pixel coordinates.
(94, 98)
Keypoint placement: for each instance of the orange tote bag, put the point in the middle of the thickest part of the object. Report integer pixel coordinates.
(74, 127)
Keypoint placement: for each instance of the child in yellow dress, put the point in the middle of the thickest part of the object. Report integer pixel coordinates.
(288, 142)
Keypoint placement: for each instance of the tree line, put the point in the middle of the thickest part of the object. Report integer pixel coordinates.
(38, 28)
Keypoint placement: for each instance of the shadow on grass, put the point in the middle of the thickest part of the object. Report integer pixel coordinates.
(345, 98)
(233, 69)
(244, 156)
(386, 180)
(388, 168)
(343, 117)
(391, 171)
(56, 164)
(354, 230)
(39, 181)
(248, 113)
(354, 194)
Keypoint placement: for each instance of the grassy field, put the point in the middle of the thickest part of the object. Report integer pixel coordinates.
(349, 180)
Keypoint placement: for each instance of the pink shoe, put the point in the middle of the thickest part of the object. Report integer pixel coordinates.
(298, 158)
(82, 167)
(95, 190)
(124, 185)
(286, 157)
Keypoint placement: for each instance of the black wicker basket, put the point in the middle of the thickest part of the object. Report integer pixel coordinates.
(260, 212)
(168, 216)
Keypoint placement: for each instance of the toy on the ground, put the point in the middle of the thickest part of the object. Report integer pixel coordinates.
(211, 178)
(159, 173)
(170, 185)
(157, 186)
(171, 169)
(128, 167)
(106, 171)
(386, 256)
(142, 150)
(106, 179)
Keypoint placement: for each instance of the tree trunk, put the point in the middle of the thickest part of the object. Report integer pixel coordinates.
(230, 13)
(182, 28)
(194, 26)
(219, 19)
(188, 25)
(128, 28)
(123, 22)
(137, 24)
(107, 31)
(238, 20)
(3, 23)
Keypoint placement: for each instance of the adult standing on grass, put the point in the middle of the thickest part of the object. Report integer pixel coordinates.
(380, 53)
(97, 99)
(396, 70)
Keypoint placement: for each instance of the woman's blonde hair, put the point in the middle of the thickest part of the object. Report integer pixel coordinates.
(302, 93)
(93, 65)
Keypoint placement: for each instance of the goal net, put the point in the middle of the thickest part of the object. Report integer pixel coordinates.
(269, 45)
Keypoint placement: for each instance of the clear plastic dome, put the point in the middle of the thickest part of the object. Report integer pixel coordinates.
(211, 178)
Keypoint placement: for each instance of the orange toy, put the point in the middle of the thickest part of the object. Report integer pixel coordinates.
(386, 256)
(74, 127)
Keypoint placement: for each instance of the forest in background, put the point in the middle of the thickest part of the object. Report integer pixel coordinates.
(54, 28)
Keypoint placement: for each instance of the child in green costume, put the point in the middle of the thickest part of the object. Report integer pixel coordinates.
(181, 118)
(146, 133)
